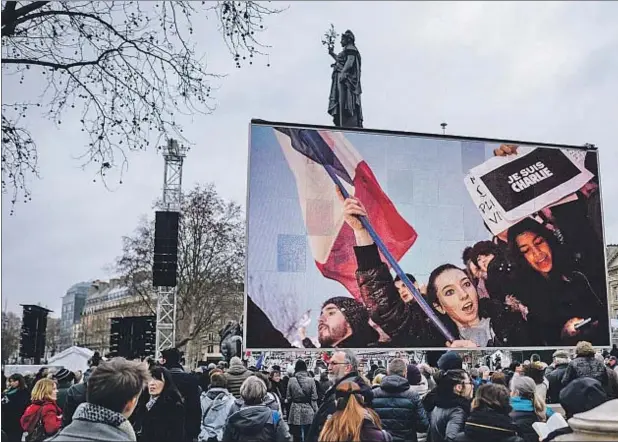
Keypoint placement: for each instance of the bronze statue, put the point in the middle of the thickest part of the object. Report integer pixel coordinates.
(231, 340)
(344, 102)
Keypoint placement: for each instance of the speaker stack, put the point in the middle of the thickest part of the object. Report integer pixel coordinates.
(165, 264)
(33, 330)
(132, 337)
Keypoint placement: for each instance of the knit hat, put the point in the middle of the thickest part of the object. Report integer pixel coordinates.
(63, 375)
(581, 395)
(300, 366)
(584, 348)
(561, 354)
(235, 361)
(357, 316)
(451, 360)
(414, 375)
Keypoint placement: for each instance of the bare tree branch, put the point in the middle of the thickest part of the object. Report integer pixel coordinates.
(128, 68)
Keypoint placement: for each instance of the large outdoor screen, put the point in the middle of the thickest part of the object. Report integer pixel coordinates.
(372, 239)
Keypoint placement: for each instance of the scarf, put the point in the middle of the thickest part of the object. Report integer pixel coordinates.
(151, 402)
(97, 414)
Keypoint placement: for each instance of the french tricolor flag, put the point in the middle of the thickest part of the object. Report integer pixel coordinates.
(307, 151)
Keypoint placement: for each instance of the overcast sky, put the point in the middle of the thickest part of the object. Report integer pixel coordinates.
(528, 71)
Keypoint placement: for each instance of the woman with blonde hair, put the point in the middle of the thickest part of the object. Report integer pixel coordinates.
(528, 407)
(352, 421)
(43, 417)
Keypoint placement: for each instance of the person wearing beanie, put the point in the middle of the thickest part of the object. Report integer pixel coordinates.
(586, 365)
(451, 360)
(64, 378)
(560, 363)
(399, 407)
(236, 375)
(344, 323)
(302, 394)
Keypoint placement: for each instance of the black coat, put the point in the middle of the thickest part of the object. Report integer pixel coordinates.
(486, 425)
(400, 409)
(164, 422)
(555, 383)
(328, 407)
(190, 390)
(523, 420)
(448, 418)
(13, 407)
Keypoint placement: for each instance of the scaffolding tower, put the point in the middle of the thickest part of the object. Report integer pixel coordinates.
(174, 155)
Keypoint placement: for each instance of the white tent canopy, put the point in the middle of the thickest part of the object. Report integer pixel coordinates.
(73, 358)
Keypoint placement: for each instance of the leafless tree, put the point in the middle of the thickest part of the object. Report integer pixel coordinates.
(211, 253)
(11, 329)
(128, 68)
(52, 336)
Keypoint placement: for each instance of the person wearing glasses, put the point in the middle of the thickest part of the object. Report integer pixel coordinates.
(454, 395)
(343, 367)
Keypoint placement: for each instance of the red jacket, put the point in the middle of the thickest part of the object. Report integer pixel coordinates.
(51, 416)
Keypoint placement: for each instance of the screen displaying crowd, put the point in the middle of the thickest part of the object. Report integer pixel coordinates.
(498, 244)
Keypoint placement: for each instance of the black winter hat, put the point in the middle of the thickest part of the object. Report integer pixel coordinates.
(357, 316)
(414, 375)
(582, 395)
(300, 366)
(451, 360)
(63, 375)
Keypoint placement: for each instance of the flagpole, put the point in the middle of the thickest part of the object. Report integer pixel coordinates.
(305, 135)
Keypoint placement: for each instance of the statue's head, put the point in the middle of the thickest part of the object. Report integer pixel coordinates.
(347, 38)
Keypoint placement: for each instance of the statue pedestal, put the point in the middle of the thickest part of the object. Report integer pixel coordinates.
(598, 424)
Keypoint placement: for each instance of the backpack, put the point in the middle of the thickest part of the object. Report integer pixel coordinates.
(36, 431)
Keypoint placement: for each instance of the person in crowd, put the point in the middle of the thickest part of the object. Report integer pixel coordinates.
(476, 378)
(15, 400)
(528, 407)
(78, 376)
(255, 421)
(42, 417)
(160, 416)
(557, 294)
(303, 396)
(271, 400)
(579, 396)
(450, 360)
(515, 369)
(77, 393)
(344, 322)
(64, 378)
(452, 406)
(236, 375)
(189, 389)
(352, 419)
(498, 378)
(113, 392)
(489, 419)
(554, 378)
(323, 385)
(418, 382)
(343, 366)
(614, 351)
(612, 362)
(480, 257)
(585, 364)
(43, 373)
(377, 380)
(216, 405)
(277, 386)
(399, 407)
(404, 292)
(536, 371)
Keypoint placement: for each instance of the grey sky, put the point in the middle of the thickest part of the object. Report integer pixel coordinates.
(529, 71)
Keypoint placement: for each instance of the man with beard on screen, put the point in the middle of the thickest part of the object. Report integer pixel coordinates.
(344, 323)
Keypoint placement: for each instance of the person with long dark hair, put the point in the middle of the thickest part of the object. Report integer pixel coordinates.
(352, 421)
(556, 291)
(161, 415)
(14, 402)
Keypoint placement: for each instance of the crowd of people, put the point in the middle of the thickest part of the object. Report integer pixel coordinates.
(341, 400)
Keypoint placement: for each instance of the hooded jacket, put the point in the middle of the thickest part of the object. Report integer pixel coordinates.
(190, 390)
(555, 382)
(586, 366)
(486, 425)
(400, 409)
(76, 395)
(235, 376)
(256, 424)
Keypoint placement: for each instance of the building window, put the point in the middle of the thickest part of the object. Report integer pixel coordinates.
(211, 349)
